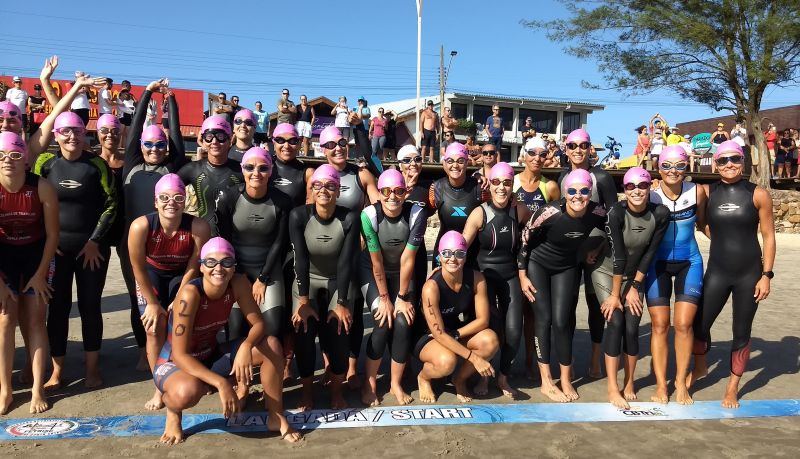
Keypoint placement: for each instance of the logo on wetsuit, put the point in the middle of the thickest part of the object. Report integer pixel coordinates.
(573, 234)
(70, 184)
(282, 182)
(459, 212)
(728, 207)
(638, 229)
(504, 229)
(255, 218)
(394, 242)
(344, 188)
(324, 238)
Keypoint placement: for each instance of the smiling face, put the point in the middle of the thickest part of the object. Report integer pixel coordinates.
(256, 173)
(108, 137)
(337, 156)
(218, 276)
(455, 167)
(500, 189)
(71, 139)
(578, 196)
(452, 264)
(325, 192)
(154, 149)
(578, 152)
(534, 159)
(170, 203)
(730, 166)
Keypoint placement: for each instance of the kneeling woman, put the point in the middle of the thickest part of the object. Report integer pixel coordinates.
(450, 298)
(192, 361)
(548, 273)
(635, 228)
(164, 249)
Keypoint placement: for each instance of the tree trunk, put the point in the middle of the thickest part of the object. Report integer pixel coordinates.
(764, 166)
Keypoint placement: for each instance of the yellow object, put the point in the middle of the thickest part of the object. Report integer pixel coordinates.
(630, 161)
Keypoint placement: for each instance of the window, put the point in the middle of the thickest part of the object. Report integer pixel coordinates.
(572, 121)
(458, 111)
(544, 121)
(508, 118)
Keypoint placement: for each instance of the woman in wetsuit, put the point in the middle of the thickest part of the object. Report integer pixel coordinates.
(677, 266)
(456, 310)
(634, 228)
(496, 225)
(87, 209)
(737, 266)
(164, 249)
(548, 269)
(324, 237)
(410, 162)
(28, 240)
(393, 231)
(256, 223)
(244, 129)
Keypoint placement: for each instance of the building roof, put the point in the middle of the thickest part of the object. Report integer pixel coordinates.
(781, 117)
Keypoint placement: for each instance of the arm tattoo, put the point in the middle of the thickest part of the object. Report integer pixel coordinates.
(184, 307)
(180, 329)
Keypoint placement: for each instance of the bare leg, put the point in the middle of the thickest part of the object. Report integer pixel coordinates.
(181, 391)
(482, 388)
(614, 396)
(337, 397)
(684, 338)
(659, 317)
(731, 398)
(595, 369)
(8, 323)
(549, 388)
(369, 391)
(396, 387)
(353, 381)
(306, 394)
(155, 340)
(566, 383)
(485, 344)
(270, 354)
(505, 387)
(700, 370)
(629, 392)
(32, 318)
(55, 379)
(438, 362)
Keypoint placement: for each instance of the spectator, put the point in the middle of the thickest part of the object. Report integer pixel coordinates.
(287, 112)
(152, 112)
(36, 105)
(305, 123)
(657, 123)
(674, 137)
(642, 144)
(105, 99)
(554, 155)
(796, 139)
(235, 107)
(125, 108)
(719, 135)
(340, 111)
(771, 137)
(361, 127)
(494, 128)
(528, 131)
(262, 124)
(377, 133)
(739, 134)
(19, 97)
(448, 122)
(429, 127)
(126, 86)
(449, 138)
(656, 145)
(164, 108)
(80, 106)
(391, 135)
(222, 107)
(785, 146)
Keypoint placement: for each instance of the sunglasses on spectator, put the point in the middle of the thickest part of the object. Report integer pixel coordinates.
(474, 153)
(261, 168)
(640, 185)
(582, 191)
(291, 140)
(106, 131)
(736, 159)
(66, 131)
(160, 145)
(410, 159)
(221, 136)
(285, 93)
(211, 263)
(489, 152)
(679, 166)
(165, 198)
(448, 253)
(505, 182)
(582, 145)
(245, 121)
(330, 186)
(12, 155)
(12, 113)
(331, 144)
(451, 161)
(399, 192)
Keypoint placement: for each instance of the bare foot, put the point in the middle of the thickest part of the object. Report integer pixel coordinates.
(39, 403)
(353, 381)
(7, 399)
(482, 388)
(53, 383)
(326, 378)
(306, 402)
(402, 397)
(661, 395)
(155, 403)
(337, 401)
(142, 364)
(462, 391)
(569, 391)
(731, 399)
(618, 400)
(279, 423)
(506, 389)
(242, 392)
(173, 432)
(93, 379)
(682, 395)
(629, 392)
(369, 397)
(551, 391)
(697, 373)
(287, 371)
(426, 394)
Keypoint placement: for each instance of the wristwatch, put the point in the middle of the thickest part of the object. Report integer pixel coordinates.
(455, 334)
(768, 274)
(263, 278)
(636, 284)
(404, 296)
(342, 302)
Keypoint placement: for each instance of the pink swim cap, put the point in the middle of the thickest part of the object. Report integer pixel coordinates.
(452, 240)
(455, 150)
(578, 136)
(259, 153)
(391, 178)
(672, 153)
(8, 106)
(501, 170)
(245, 114)
(216, 122)
(728, 146)
(108, 120)
(68, 119)
(217, 245)
(285, 128)
(153, 132)
(325, 172)
(170, 182)
(11, 141)
(636, 175)
(578, 177)
(330, 133)
(406, 151)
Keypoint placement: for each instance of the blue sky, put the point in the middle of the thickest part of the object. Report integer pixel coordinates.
(253, 49)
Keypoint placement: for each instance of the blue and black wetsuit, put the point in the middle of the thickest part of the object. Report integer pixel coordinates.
(453, 205)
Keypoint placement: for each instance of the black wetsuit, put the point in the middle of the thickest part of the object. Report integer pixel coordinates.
(323, 267)
(633, 239)
(456, 308)
(734, 268)
(87, 208)
(551, 242)
(453, 205)
(209, 181)
(236, 153)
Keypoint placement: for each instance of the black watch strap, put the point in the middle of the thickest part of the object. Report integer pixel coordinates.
(637, 285)
(404, 296)
(768, 274)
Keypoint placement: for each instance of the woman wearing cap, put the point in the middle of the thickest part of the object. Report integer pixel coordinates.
(677, 264)
(28, 241)
(192, 363)
(455, 196)
(393, 230)
(635, 228)
(109, 136)
(548, 268)
(256, 222)
(289, 176)
(737, 209)
(456, 309)
(244, 129)
(496, 226)
(164, 248)
(324, 237)
(87, 209)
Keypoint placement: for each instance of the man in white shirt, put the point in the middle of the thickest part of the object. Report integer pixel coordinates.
(105, 100)
(19, 97)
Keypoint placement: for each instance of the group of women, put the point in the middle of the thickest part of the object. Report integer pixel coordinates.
(281, 254)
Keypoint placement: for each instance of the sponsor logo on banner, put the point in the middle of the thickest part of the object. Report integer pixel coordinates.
(43, 428)
(644, 412)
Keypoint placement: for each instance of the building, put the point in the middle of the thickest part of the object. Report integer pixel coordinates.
(782, 118)
(553, 117)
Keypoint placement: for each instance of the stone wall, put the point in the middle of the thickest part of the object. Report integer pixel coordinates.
(786, 208)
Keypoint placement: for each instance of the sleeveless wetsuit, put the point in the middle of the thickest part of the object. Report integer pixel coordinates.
(457, 308)
(535, 199)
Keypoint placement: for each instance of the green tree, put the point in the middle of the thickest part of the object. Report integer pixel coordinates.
(723, 53)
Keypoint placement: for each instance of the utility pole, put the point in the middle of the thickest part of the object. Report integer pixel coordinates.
(441, 90)
(419, 61)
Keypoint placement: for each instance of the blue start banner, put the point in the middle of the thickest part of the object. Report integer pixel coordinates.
(392, 416)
